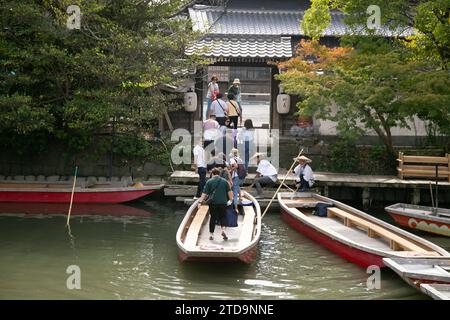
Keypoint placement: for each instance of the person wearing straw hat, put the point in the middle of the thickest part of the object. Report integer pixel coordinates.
(266, 174)
(304, 175)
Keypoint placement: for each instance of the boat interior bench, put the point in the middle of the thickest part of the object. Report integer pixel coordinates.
(247, 225)
(396, 242)
(423, 167)
(196, 226)
(307, 202)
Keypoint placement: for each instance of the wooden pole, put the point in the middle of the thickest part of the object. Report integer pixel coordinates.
(437, 184)
(432, 196)
(71, 197)
(281, 184)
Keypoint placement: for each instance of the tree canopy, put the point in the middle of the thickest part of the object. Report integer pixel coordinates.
(428, 18)
(374, 82)
(365, 88)
(67, 85)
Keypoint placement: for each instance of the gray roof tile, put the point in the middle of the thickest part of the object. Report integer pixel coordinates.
(244, 47)
(214, 20)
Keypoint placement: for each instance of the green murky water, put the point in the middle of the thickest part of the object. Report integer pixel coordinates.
(136, 258)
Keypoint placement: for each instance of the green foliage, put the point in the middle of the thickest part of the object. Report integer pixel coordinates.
(344, 156)
(429, 18)
(67, 85)
(367, 90)
(316, 19)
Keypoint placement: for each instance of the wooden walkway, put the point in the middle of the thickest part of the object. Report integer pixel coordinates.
(182, 185)
(328, 179)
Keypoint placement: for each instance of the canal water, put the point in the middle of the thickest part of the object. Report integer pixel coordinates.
(135, 257)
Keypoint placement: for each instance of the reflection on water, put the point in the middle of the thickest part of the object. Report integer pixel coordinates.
(78, 209)
(136, 258)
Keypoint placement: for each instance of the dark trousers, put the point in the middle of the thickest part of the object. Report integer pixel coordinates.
(261, 182)
(246, 154)
(218, 214)
(302, 185)
(221, 120)
(201, 182)
(234, 121)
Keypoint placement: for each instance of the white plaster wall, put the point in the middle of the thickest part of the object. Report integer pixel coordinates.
(328, 128)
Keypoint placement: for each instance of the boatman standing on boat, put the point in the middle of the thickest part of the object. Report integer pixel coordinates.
(304, 175)
(219, 190)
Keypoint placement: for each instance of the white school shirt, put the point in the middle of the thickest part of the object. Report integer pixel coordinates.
(266, 169)
(199, 152)
(307, 172)
(218, 108)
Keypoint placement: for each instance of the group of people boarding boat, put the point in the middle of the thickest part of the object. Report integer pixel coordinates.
(228, 171)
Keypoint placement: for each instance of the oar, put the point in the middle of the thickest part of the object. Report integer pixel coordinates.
(286, 186)
(281, 184)
(71, 200)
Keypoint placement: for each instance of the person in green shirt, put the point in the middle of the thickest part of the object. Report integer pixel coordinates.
(220, 190)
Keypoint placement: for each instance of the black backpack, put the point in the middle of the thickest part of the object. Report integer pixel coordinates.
(321, 209)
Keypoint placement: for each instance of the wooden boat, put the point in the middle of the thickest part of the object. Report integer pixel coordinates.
(418, 271)
(79, 209)
(60, 193)
(193, 236)
(436, 291)
(351, 233)
(421, 218)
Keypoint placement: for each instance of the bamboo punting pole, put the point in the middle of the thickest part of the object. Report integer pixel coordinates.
(71, 199)
(281, 184)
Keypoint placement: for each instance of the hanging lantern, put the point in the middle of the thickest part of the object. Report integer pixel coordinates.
(283, 103)
(190, 101)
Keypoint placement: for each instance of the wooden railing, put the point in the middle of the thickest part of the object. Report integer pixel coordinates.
(423, 167)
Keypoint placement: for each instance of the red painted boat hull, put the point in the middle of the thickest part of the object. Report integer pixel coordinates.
(111, 210)
(79, 197)
(355, 255)
(423, 224)
(246, 257)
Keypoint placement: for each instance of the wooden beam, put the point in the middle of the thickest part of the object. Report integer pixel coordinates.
(169, 122)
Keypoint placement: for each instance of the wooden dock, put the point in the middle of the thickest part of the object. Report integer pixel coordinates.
(329, 179)
(181, 184)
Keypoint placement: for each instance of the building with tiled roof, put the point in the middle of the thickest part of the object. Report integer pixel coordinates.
(237, 35)
(258, 30)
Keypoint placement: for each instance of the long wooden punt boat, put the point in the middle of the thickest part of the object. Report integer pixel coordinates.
(193, 235)
(351, 233)
(436, 291)
(79, 209)
(418, 271)
(423, 218)
(60, 193)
